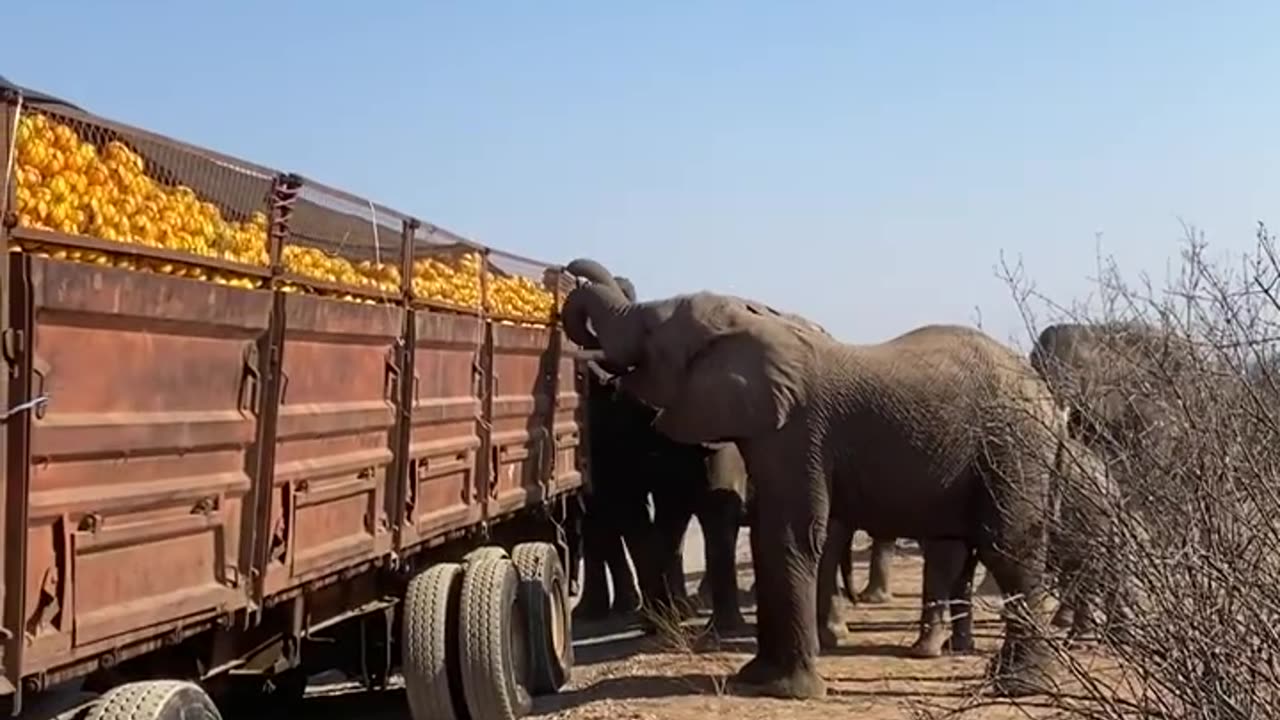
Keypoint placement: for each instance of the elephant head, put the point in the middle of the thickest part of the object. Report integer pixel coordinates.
(1104, 374)
(716, 367)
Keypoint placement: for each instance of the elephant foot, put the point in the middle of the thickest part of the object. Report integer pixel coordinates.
(727, 624)
(1063, 617)
(832, 634)
(930, 644)
(760, 677)
(960, 644)
(1023, 667)
(875, 596)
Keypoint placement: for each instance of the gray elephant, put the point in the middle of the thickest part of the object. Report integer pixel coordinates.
(632, 462)
(940, 432)
(1117, 383)
(1110, 377)
(616, 518)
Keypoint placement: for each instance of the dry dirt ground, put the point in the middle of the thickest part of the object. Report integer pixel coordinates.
(622, 675)
(870, 677)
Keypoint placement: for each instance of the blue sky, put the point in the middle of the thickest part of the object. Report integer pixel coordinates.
(863, 164)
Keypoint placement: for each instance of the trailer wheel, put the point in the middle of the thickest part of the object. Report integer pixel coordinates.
(493, 646)
(484, 552)
(155, 700)
(546, 600)
(429, 642)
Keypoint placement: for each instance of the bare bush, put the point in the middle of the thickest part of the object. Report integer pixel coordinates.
(1183, 559)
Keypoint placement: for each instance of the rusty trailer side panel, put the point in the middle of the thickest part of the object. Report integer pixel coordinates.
(331, 493)
(446, 427)
(521, 447)
(570, 420)
(136, 471)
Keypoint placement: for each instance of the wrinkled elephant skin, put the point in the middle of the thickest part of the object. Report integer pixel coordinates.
(893, 437)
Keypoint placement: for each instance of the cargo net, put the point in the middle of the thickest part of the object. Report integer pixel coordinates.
(149, 203)
(521, 290)
(341, 245)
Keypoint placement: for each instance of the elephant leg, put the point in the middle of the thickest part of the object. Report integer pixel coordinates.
(1013, 541)
(597, 545)
(671, 522)
(675, 495)
(787, 543)
(573, 557)
(877, 589)
(961, 607)
(703, 593)
(846, 569)
(633, 524)
(831, 623)
(944, 564)
(719, 514)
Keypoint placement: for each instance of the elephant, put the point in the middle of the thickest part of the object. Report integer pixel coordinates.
(631, 462)
(709, 482)
(941, 432)
(614, 505)
(1094, 371)
(1116, 382)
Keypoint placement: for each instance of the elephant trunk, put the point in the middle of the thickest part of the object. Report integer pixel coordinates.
(613, 326)
(596, 273)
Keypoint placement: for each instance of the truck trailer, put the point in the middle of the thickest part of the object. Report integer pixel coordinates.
(257, 427)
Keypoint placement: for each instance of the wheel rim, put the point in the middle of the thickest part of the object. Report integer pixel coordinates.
(559, 631)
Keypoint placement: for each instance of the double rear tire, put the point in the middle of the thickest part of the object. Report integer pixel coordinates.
(479, 637)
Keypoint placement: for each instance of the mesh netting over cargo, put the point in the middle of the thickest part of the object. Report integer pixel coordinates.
(343, 240)
(85, 177)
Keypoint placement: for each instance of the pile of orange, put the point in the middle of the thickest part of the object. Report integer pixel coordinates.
(70, 185)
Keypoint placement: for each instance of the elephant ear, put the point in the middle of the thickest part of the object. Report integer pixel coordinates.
(740, 385)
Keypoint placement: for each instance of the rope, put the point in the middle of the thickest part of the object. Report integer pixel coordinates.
(24, 407)
(13, 145)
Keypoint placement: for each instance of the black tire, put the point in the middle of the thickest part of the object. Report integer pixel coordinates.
(492, 641)
(484, 552)
(543, 589)
(155, 700)
(429, 644)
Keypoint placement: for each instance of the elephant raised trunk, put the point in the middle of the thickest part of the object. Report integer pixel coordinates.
(613, 326)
